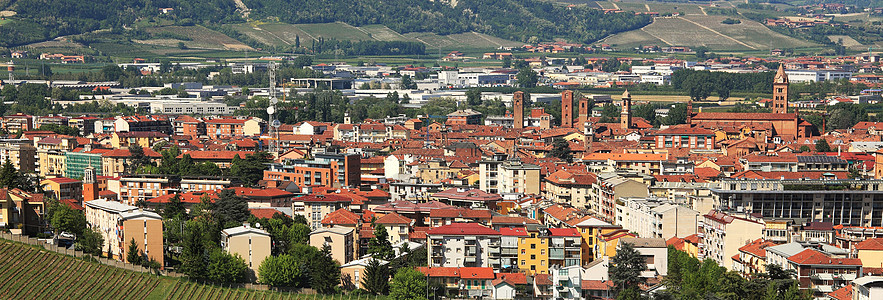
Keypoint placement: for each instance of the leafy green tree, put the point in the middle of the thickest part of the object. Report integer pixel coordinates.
(561, 149)
(137, 158)
(299, 234)
(90, 242)
(224, 267)
(251, 169)
(65, 219)
(626, 266)
(133, 255)
(676, 115)
(822, 146)
(230, 209)
(376, 279)
(283, 270)
(408, 284)
(527, 78)
(630, 293)
(507, 62)
(645, 111)
(8, 174)
(379, 245)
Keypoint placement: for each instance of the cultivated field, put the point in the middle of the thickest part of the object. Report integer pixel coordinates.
(32, 273)
(199, 37)
(701, 30)
(848, 42)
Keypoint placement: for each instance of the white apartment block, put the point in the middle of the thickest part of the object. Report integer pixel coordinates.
(656, 218)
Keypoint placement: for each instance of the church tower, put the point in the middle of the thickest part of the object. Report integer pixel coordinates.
(518, 109)
(625, 117)
(780, 91)
(90, 184)
(567, 109)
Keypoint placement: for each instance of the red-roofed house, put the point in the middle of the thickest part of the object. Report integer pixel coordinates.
(870, 251)
(64, 188)
(823, 274)
(315, 207)
(397, 226)
(752, 258)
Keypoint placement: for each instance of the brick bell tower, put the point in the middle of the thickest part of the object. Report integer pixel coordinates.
(518, 109)
(780, 91)
(625, 116)
(567, 109)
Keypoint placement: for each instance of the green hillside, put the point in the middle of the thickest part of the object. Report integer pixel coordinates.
(32, 273)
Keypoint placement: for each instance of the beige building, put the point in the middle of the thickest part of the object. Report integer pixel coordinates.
(106, 217)
(509, 176)
(352, 273)
(397, 226)
(870, 251)
(146, 228)
(315, 207)
(723, 234)
(20, 152)
(339, 238)
(566, 187)
(252, 244)
(21, 212)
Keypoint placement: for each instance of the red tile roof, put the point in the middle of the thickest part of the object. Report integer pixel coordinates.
(341, 216)
(870, 244)
(513, 231)
(63, 180)
(393, 218)
(462, 229)
(460, 212)
(440, 271)
(323, 198)
(757, 248)
(263, 213)
(565, 232)
(744, 116)
(844, 293)
(476, 273)
(225, 155)
(813, 257)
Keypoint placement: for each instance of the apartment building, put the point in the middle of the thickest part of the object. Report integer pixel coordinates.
(464, 245)
(106, 218)
(20, 152)
(252, 244)
(339, 238)
(315, 207)
(723, 234)
(331, 170)
(656, 217)
(509, 176)
(146, 229)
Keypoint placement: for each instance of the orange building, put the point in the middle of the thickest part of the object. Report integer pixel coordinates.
(146, 229)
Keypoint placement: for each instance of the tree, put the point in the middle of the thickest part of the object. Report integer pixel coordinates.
(629, 293)
(251, 169)
(526, 78)
(282, 270)
(379, 245)
(473, 97)
(90, 242)
(408, 284)
(193, 255)
(8, 174)
(224, 267)
(137, 158)
(230, 209)
(299, 234)
(174, 209)
(626, 267)
(805, 148)
(133, 255)
(822, 146)
(65, 219)
(376, 279)
(407, 83)
(561, 149)
(507, 62)
(325, 272)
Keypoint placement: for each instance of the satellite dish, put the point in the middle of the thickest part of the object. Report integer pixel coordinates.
(271, 110)
(274, 100)
(276, 123)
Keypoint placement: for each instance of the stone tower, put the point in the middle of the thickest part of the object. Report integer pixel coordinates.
(518, 109)
(625, 117)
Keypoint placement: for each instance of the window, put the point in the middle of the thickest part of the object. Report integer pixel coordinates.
(533, 256)
(533, 246)
(523, 262)
(523, 251)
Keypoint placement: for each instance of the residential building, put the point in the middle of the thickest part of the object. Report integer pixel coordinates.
(22, 212)
(315, 207)
(339, 238)
(821, 273)
(252, 244)
(654, 252)
(464, 245)
(723, 234)
(867, 288)
(570, 188)
(656, 218)
(396, 225)
(63, 188)
(353, 272)
(325, 169)
(146, 229)
(20, 152)
(610, 188)
(509, 176)
(106, 217)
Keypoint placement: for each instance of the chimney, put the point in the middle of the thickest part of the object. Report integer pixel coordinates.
(518, 109)
(567, 109)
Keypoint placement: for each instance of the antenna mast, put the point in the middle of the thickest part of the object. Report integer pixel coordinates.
(271, 110)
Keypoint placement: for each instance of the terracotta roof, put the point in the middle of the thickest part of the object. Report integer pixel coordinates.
(341, 216)
(460, 212)
(263, 213)
(323, 198)
(440, 271)
(393, 218)
(684, 130)
(225, 155)
(125, 153)
(476, 273)
(513, 231)
(462, 229)
(510, 278)
(870, 244)
(844, 293)
(565, 232)
(510, 220)
(267, 193)
(73, 204)
(813, 257)
(62, 180)
(757, 248)
(743, 116)
(596, 285)
(543, 279)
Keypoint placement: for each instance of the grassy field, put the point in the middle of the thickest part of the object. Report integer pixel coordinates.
(701, 30)
(33, 273)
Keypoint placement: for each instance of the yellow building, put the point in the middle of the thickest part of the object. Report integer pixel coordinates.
(145, 139)
(63, 188)
(339, 238)
(590, 230)
(20, 211)
(533, 251)
(608, 241)
(870, 251)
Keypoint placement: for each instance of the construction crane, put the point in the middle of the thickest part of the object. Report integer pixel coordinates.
(10, 67)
